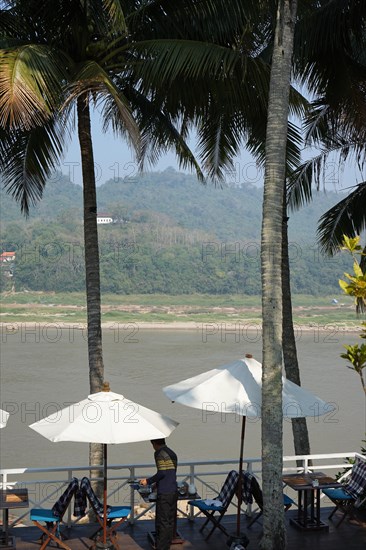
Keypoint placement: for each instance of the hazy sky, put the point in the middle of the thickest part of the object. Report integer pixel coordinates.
(114, 159)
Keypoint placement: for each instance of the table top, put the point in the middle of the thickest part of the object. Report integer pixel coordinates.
(13, 498)
(151, 497)
(305, 481)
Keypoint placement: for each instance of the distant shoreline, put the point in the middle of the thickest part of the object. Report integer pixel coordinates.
(250, 326)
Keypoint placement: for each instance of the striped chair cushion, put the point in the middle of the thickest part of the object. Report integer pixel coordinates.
(357, 483)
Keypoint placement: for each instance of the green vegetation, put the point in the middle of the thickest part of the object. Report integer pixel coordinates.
(356, 287)
(199, 240)
(66, 307)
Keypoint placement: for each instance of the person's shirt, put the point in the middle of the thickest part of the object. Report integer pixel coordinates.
(166, 476)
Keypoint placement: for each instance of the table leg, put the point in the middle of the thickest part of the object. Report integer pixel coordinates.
(299, 506)
(305, 516)
(306, 503)
(318, 507)
(6, 525)
(6, 542)
(312, 506)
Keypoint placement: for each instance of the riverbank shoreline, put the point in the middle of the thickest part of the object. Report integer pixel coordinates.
(240, 326)
(208, 313)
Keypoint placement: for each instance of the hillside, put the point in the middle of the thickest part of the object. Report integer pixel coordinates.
(227, 213)
(172, 235)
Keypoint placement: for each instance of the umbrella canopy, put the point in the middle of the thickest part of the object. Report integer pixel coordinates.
(108, 418)
(4, 415)
(237, 387)
(105, 417)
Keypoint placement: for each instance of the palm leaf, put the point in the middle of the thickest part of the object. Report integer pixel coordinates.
(29, 86)
(28, 158)
(348, 217)
(90, 78)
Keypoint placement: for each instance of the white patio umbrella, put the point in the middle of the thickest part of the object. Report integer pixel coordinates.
(237, 387)
(4, 415)
(108, 418)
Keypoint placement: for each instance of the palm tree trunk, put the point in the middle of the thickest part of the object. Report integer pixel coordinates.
(274, 535)
(299, 426)
(91, 251)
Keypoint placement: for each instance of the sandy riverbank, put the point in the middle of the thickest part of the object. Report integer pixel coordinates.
(14, 327)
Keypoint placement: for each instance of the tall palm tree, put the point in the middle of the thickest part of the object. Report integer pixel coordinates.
(57, 60)
(271, 262)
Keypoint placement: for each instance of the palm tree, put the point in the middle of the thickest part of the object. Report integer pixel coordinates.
(136, 91)
(57, 60)
(271, 262)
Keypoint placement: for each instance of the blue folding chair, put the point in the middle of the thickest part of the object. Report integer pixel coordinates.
(214, 509)
(352, 494)
(52, 518)
(252, 489)
(116, 515)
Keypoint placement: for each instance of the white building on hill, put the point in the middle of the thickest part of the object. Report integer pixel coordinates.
(104, 219)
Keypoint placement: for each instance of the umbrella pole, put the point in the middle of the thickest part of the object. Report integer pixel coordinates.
(105, 495)
(240, 486)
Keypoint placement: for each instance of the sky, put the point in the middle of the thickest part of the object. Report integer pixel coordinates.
(114, 159)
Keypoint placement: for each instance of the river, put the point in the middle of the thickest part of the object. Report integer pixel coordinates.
(45, 368)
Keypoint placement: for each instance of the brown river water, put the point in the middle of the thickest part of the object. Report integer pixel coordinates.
(45, 368)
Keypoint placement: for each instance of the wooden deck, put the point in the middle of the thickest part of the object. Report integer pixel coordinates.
(350, 536)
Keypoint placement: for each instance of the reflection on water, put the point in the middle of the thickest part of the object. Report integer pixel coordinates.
(44, 369)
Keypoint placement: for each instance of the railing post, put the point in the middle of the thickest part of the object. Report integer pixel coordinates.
(69, 507)
(132, 497)
(4, 480)
(191, 480)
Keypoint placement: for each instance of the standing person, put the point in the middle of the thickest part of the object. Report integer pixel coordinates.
(166, 487)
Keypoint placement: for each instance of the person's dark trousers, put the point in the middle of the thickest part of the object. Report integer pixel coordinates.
(166, 510)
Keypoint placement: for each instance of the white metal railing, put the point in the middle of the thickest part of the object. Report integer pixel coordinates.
(207, 475)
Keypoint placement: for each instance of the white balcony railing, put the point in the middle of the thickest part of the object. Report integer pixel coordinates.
(45, 485)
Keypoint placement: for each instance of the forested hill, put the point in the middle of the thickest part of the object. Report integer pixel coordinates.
(170, 234)
(226, 212)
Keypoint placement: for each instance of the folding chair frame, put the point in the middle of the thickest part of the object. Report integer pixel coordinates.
(287, 502)
(225, 496)
(115, 512)
(251, 488)
(210, 515)
(49, 530)
(351, 495)
(345, 505)
(52, 518)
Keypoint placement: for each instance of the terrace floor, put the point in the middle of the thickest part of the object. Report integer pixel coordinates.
(350, 535)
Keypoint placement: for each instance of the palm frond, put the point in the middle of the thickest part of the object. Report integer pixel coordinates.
(219, 139)
(348, 217)
(116, 14)
(173, 58)
(190, 19)
(314, 171)
(28, 158)
(329, 59)
(300, 182)
(29, 86)
(90, 78)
